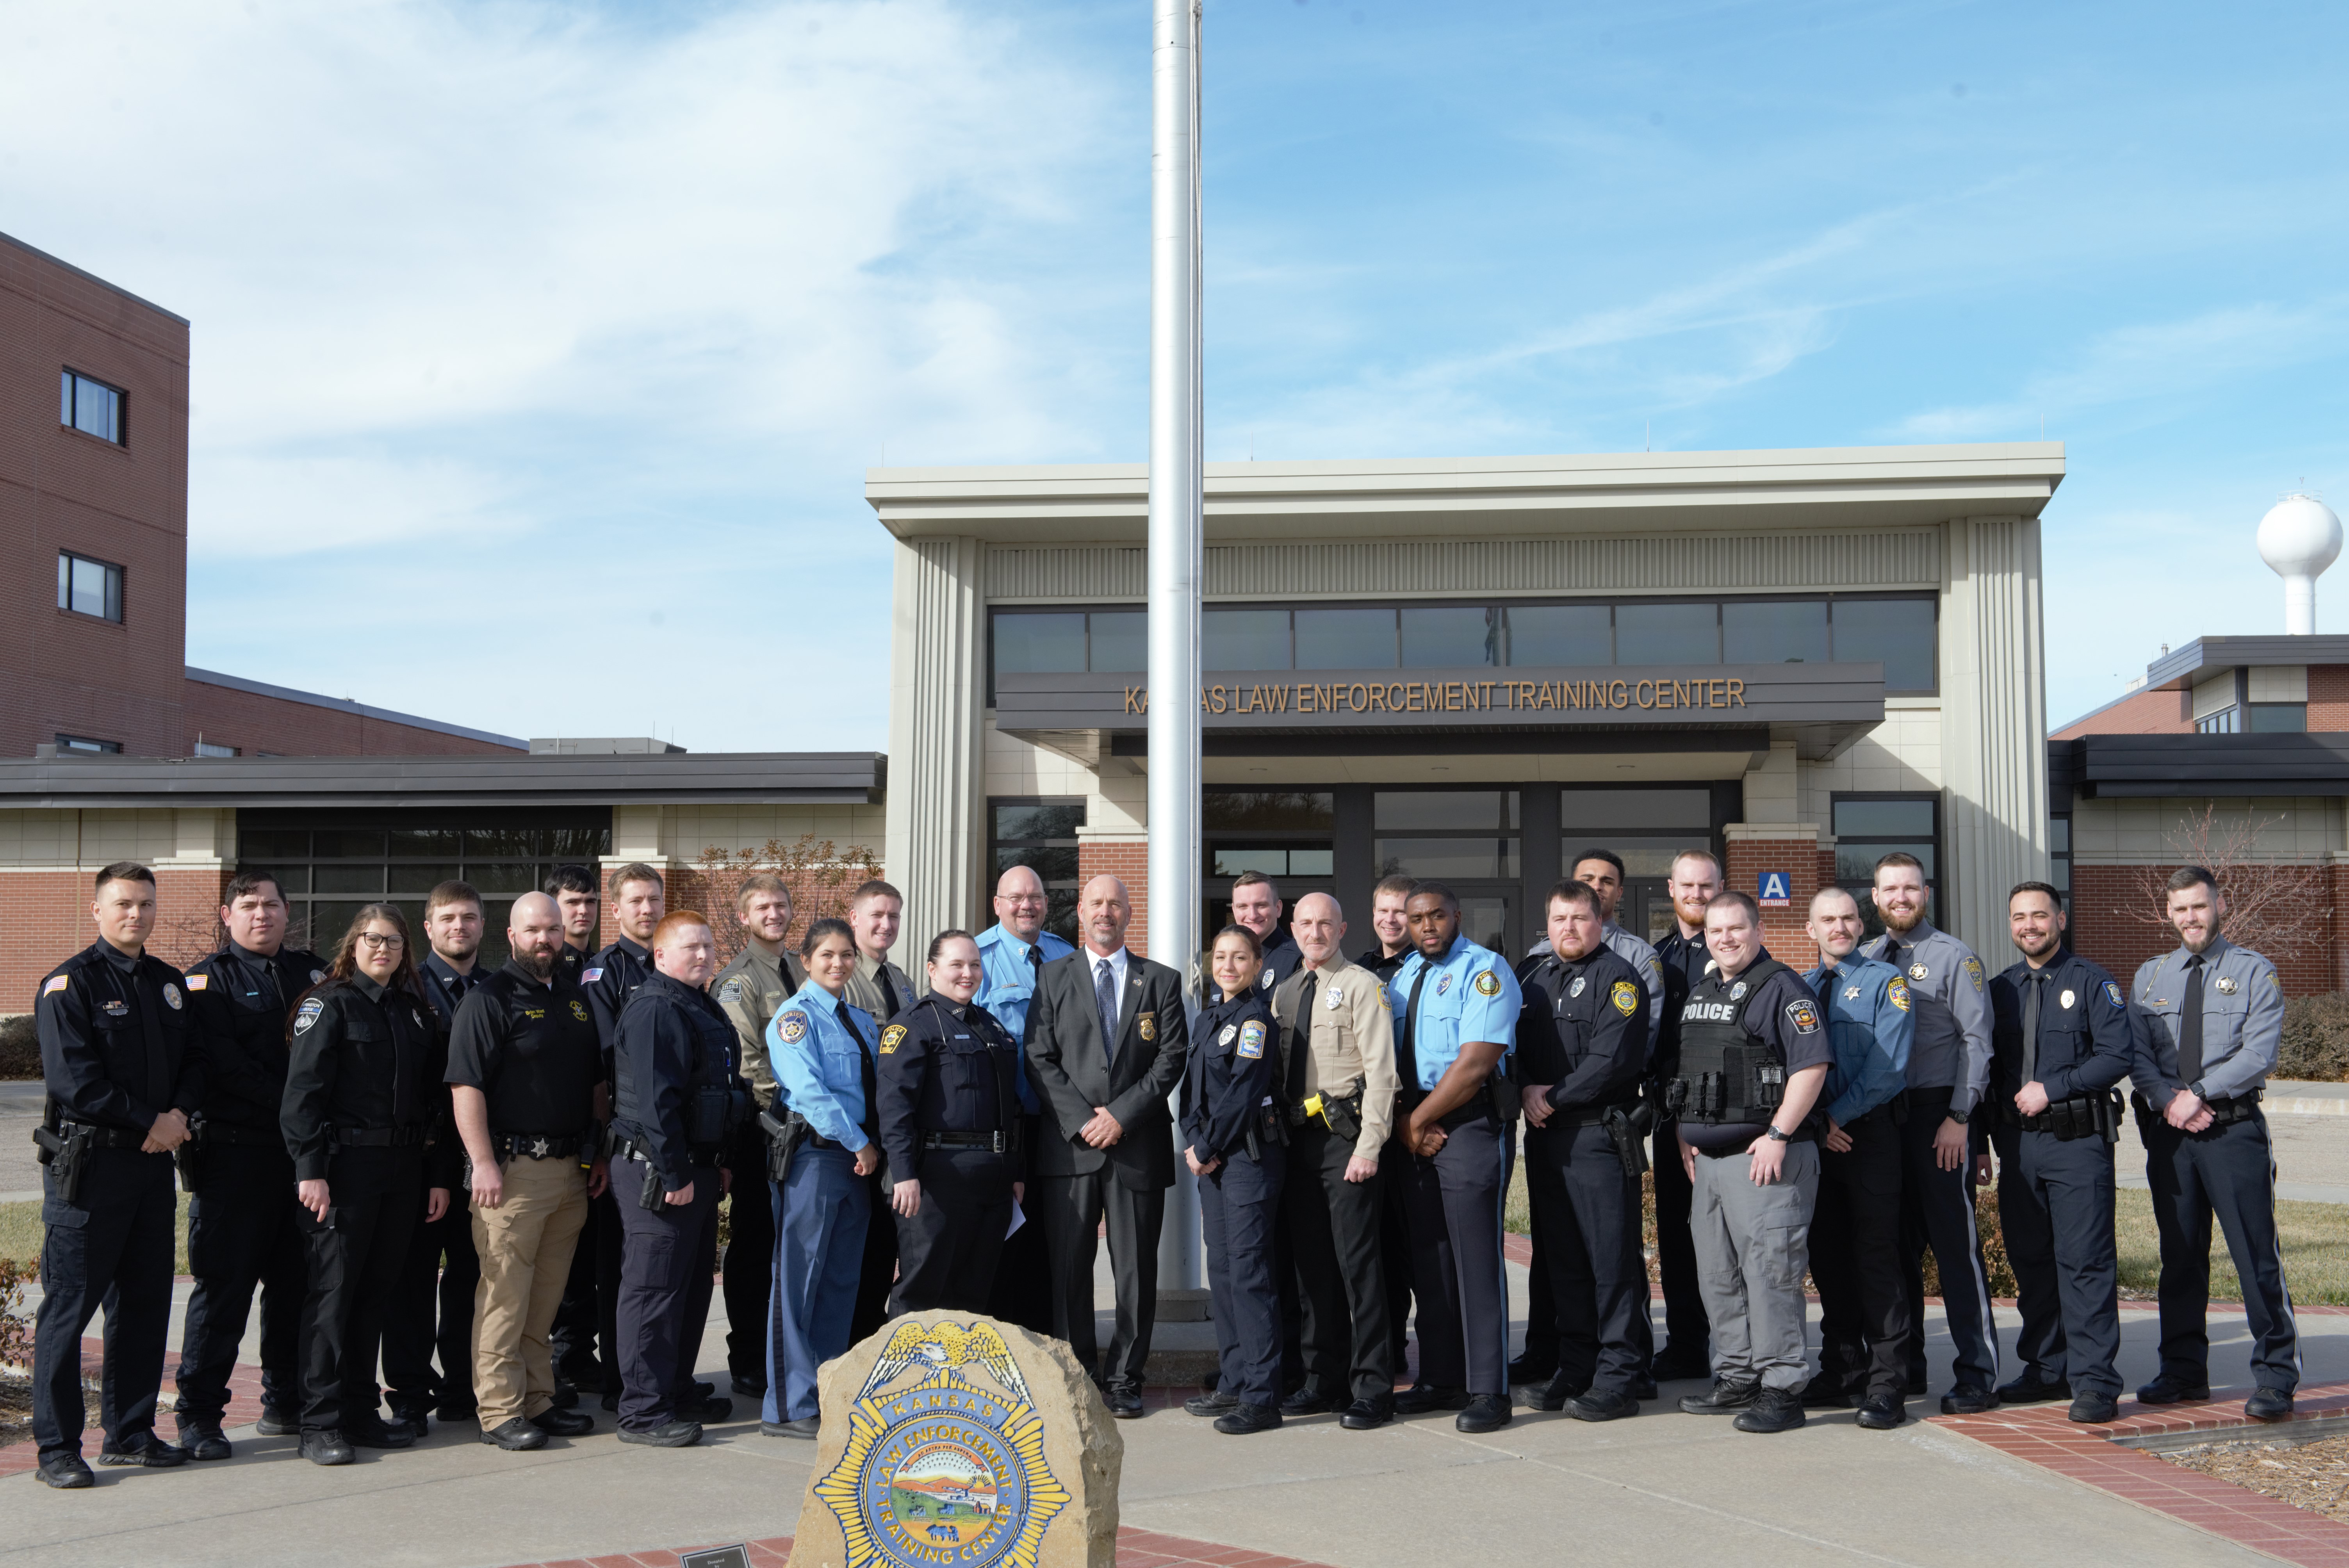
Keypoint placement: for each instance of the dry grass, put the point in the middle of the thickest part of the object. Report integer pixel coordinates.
(20, 1235)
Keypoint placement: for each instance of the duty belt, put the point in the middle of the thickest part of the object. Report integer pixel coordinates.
(408, 1136)
(1585, 1116)
(106, 1137)
(991, 1141)
(221, 1135)
(536, 1145)
(695, 1154)
(2225, 1109)
(1476, 1107)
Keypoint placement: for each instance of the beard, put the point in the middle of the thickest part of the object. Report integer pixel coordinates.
(540, 966)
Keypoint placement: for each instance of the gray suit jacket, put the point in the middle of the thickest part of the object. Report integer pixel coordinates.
(1073, 1074)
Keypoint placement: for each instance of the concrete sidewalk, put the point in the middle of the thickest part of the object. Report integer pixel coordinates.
(1662, 1485)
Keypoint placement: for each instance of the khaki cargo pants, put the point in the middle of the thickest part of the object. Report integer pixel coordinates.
(525, 1243)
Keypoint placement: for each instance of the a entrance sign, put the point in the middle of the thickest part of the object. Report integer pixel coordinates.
(1776, 892)
(955, 1439)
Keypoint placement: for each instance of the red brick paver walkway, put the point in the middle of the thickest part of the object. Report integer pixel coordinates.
(1135, 1548)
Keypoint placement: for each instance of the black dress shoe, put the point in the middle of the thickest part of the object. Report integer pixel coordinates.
(2092, 1408)
(377, 1434)
(278, 1423)
(2269, 1405)
(2031, 1389)
(705, 1390)
(1421, 1397)
(1213, 1403)
(1881, 1412)
(749, 1387)
(1674, 1364)
(516, 1436)
(565, 1397)
(2166, 1390)
(563, 1423)
(1486, 1413)
(1772, 1410)
(67, 1473)
(1363, 1414)
(326, 1448)
(416, 1418)
(1307, 1402)
(150, 1452)
(1530, 1369)
(1246, 1419)
(1556, 1393)
(612, 1402)
(669, 1434)
(1123, 1403)
(808, 1427)
(1643, 1387)
(450, 1411)
(708, 1411)
(1826, 1393)
(1724, 1398)
(1969, 1399)
(1602, 1405)
(199, 1441)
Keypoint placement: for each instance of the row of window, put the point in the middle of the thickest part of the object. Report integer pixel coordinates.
(1897, 632)
(2262, 718)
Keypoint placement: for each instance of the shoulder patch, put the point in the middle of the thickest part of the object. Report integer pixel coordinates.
(792, 1026)
(892, 1038)
(1974, 972)
(56, 984)
(2113, 995)
(200, 981)
(731, 991)
(1804, 1015)
(307, 1014)
(1252, 1039)
(589, 977)
(1625, 997)
(1895, 991)
(1488, 983)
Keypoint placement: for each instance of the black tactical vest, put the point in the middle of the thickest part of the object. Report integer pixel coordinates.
(1726, 1076)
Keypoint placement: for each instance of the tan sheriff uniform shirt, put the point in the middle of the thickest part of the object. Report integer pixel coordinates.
(864, 991)
(753, 989)
(1352, 1041)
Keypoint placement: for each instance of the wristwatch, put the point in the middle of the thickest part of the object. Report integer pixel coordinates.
(1777, 1137)
(1959, 1116)
(2195, 1089)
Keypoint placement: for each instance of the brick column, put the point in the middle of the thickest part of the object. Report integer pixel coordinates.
(1792, 848)
(1126, 857)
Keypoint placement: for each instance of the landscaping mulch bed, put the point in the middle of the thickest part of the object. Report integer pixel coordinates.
(2311, 1476)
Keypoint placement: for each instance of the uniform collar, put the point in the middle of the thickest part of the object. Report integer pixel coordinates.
(1912, 938)
(250, 957)
(960, 1010)
(1336, 961)
(635, 949)
(441, 969)
(2210, 955)
(366, 986)
(126, 962)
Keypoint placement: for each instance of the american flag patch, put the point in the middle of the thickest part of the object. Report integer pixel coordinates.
(200, 981)
(587, 976)
(57, 983)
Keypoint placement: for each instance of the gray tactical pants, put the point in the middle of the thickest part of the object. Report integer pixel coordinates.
(1752, 1245)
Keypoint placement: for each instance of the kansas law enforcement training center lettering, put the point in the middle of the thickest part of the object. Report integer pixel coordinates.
(1455, 696)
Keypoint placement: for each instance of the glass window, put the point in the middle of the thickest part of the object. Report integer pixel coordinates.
(1667, 633)
(2226, 721)
(267, 844)
(1774, 632)
(1039, 645)
(1345, 639)
(89, 587)
(83, 743)
(506, 877)
(2279, 718)
(424, 841)
(1542, 635)
(1267, 811)
(343, 844)
(2059, 854)
(1599, 809)
(1449, 637)
(1896, 633)
(90, 407)
(415, 878)
(1460, 811)
(1463, 858)
(1244, 639)
(483, 843)
(1867, 828)
(362, 879)
(1041, 835)
(1885, 818)
(1120, 641)
(212, 748)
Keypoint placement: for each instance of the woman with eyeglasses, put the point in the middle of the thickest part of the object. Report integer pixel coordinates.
(363, 1094)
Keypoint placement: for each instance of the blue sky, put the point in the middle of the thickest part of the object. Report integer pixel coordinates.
(540, 350)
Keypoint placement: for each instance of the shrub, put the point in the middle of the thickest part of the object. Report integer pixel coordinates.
(15, 1326)
(2315, 1038)
(20, 1047)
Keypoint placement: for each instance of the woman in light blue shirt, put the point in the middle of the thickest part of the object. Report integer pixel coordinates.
(823, 1052)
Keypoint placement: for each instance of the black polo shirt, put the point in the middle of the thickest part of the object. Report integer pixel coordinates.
(529, 1047)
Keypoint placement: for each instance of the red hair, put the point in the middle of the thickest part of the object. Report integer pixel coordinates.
(675, 921)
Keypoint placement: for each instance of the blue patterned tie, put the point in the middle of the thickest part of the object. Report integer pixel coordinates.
(1105, 1003)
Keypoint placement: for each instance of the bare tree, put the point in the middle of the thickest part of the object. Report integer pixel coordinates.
(819, 872)
(2269, 907)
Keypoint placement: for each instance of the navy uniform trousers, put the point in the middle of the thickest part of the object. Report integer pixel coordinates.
(668, 1257)
(821, 1212)
(2056, 1205)
(1866, 1335)
(1333, 1228)
(1586, 1221)
(1937, 1208)
(1687, 1335)
(1239, 1201)
(244, 1233)
(747, 1267)
(356, 1253)
(434, 1311)
(946, 1253)
(1456, 1261)
(2229, 1171)
(112, 1246)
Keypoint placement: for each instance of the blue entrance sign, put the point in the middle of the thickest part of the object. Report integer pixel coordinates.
(1777, 891)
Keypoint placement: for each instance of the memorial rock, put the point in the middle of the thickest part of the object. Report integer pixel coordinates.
(951, 1439)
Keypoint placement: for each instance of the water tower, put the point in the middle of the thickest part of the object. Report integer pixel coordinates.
(2299, 537)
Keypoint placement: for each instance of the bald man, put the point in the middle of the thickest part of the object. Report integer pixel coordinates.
(1012, 954)
(524, 1066)
(1106, 1040)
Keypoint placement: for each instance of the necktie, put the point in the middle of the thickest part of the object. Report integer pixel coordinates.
(1892, 956)
(864, 1076)
(1406, 1047)
(1105, 1003)
(1830, 979)
(888, 992)
(2189, 1024)
(159, 1069)
(1300, 1041)
(2032, 980)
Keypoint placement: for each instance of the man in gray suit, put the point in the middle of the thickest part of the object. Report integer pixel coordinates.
(1105, 1048)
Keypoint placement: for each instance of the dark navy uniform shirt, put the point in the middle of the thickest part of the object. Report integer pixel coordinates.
(1282, 958)
(1783, 1018)
(1229, 1076)
(1583, 1029)
(2084, 1045)
(362, 1057)
(239, 999)
(610, 979)
(445, 990)
(671, 1040)
(117, 1040)
(943, 1067)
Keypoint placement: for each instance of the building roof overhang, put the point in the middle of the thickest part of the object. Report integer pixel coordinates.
(2105, 767)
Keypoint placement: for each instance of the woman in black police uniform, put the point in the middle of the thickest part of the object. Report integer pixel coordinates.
(1232, 1139)
(363, 1093)
(949, 1109)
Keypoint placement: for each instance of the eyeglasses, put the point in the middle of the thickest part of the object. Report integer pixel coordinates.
(380, 940)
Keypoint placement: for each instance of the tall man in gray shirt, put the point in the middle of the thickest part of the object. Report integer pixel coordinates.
(1949, 1070)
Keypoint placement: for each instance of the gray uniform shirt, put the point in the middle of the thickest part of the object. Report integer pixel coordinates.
(864, 991)
(2242, 1020)
(1952, 1000)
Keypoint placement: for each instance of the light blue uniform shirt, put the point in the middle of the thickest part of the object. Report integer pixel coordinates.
(1007, 988)
(1871, 1028)
(819, 1065)
(1470, 996)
